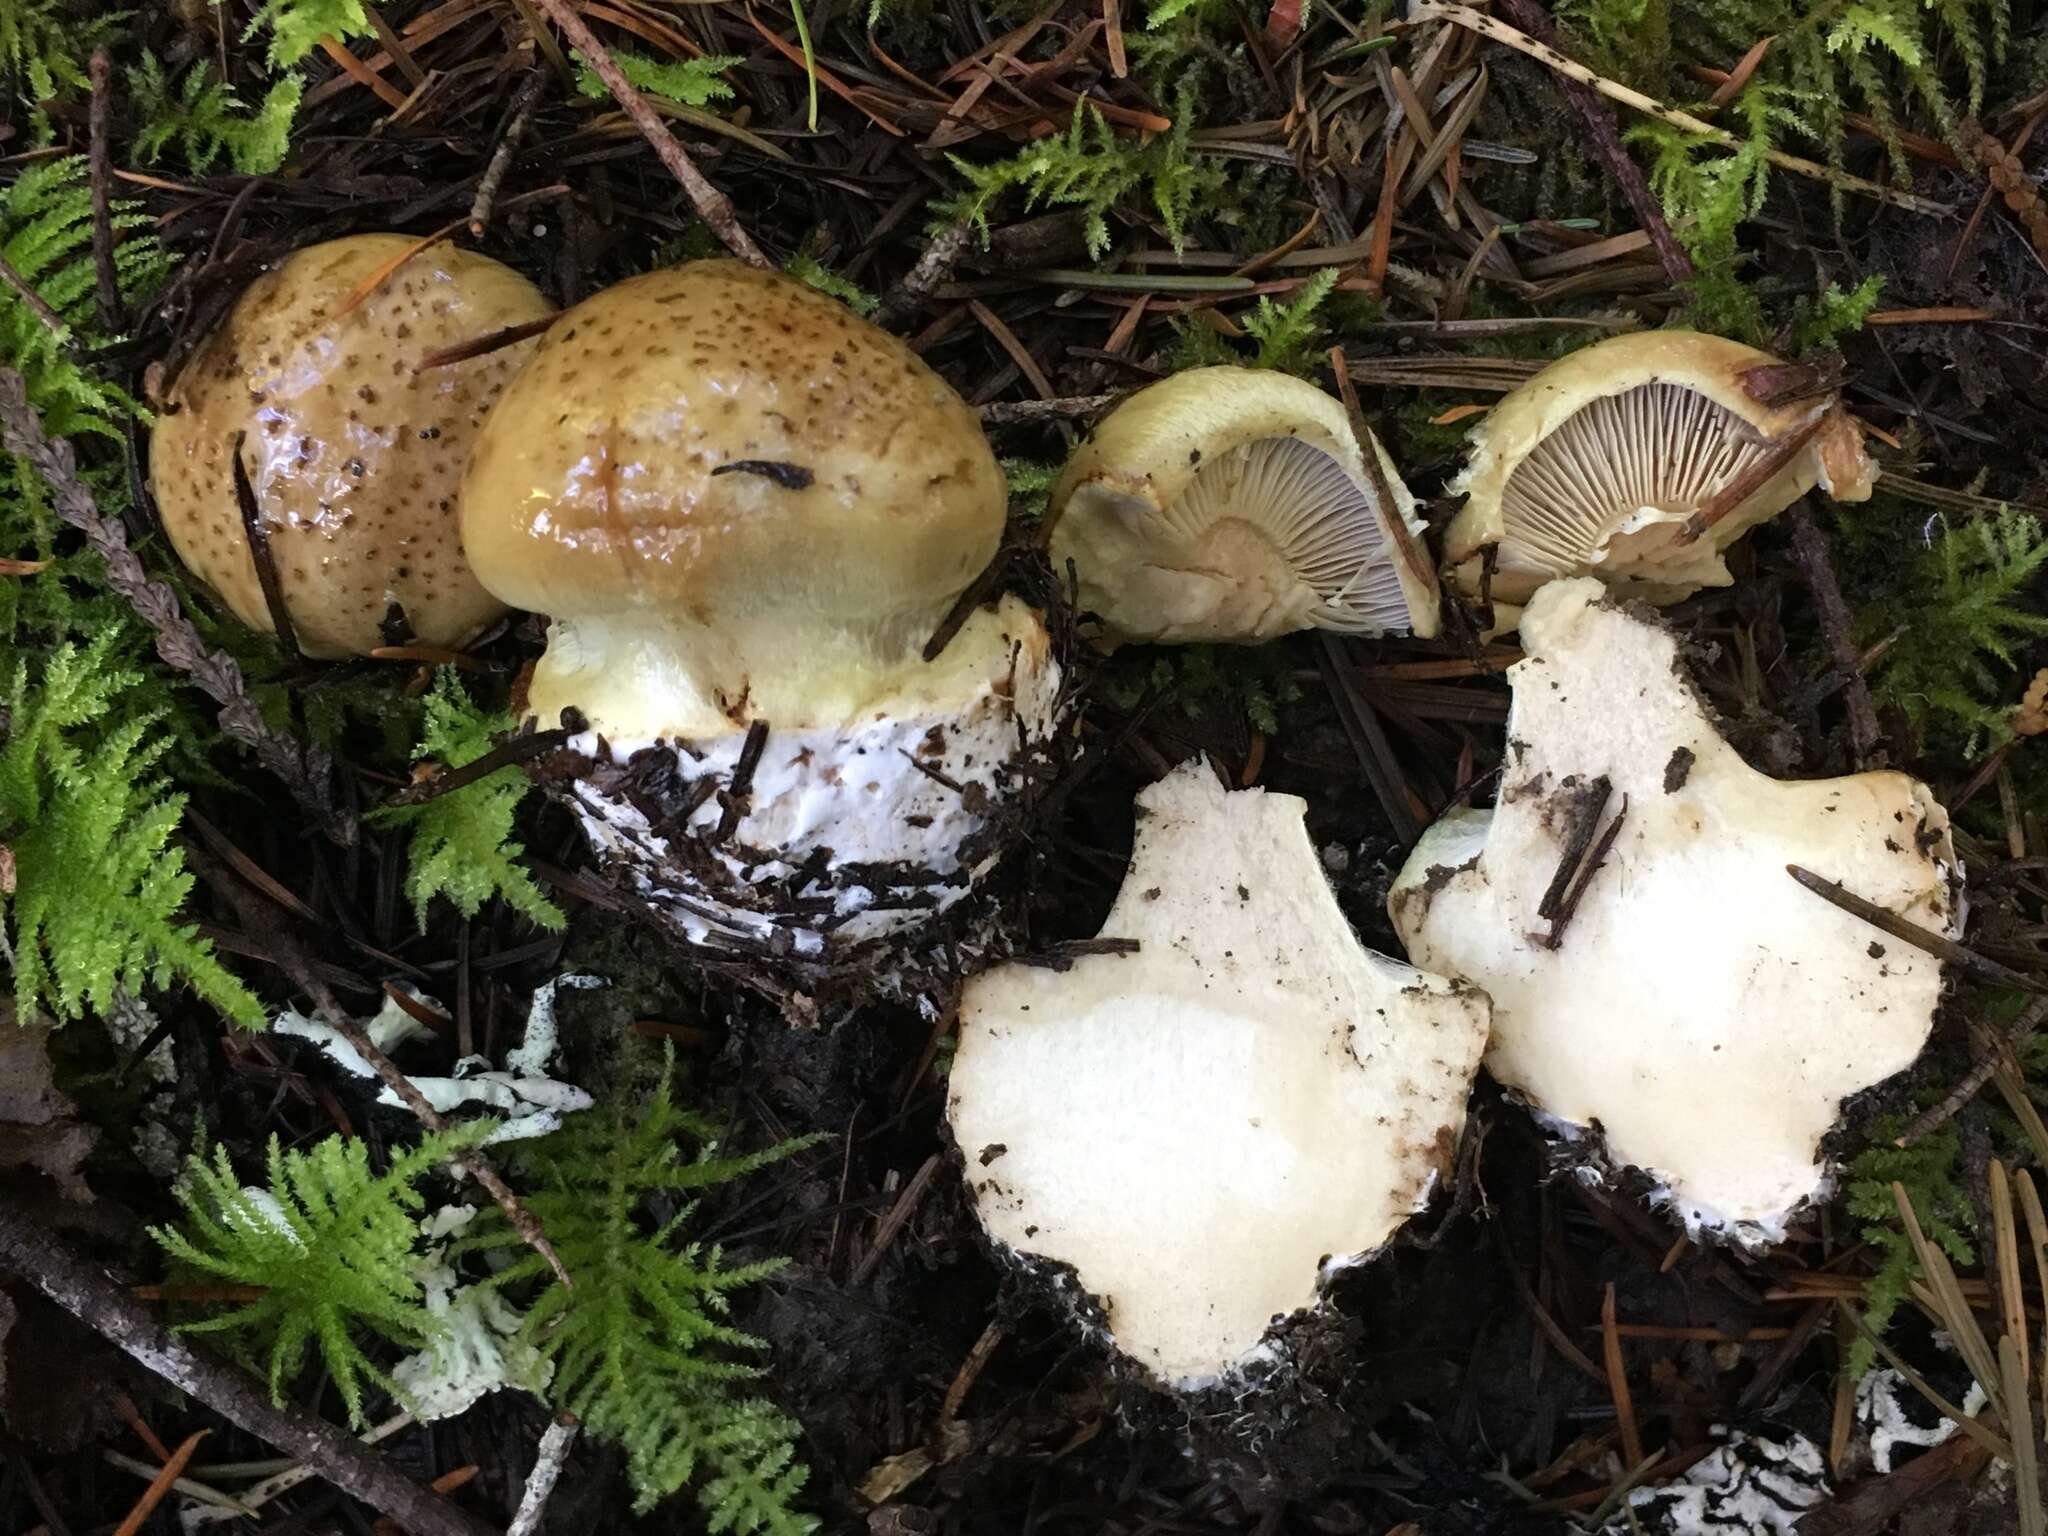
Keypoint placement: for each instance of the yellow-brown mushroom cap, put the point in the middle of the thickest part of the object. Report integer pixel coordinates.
(729, 448)
(355, 453)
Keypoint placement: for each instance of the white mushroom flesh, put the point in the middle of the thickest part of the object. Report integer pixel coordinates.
(1702, 1009)
(1204, 1128)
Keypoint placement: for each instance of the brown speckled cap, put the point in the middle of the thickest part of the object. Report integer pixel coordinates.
(719, 441)
(355, 454)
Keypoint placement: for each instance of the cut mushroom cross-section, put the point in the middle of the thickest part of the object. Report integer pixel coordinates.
(1233, 504)
(1204, 1128)
(1654, 970)
(1639, 460)
(745, 511)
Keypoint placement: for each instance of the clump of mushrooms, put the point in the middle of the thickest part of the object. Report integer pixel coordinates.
(746, 513)
(352, 451)
(1234, 505)
(1206, 1128)
(1656, 973)
(1640, 460)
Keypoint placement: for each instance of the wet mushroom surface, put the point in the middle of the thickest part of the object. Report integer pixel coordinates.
(352, 448)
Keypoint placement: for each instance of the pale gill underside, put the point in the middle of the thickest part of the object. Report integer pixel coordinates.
(1659, 448)
(1323, 523)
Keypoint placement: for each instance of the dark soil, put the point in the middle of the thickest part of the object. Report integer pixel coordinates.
(1459, 1382)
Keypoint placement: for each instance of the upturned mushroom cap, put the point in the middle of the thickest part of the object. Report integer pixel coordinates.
(722, 485)
(1700, 1007)
(353, 450)
(1205, 1128)
(1594, 465)
(1235, 504)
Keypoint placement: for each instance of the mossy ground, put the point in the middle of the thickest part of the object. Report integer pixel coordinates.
(1454, 1385)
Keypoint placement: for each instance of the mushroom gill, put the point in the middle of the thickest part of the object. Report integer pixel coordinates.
(1233, 505)
(1640, 460)
(1614, 485)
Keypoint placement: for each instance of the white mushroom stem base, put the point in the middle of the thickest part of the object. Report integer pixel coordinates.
(1204, 1129)
(834, 835)
(1700, 1007)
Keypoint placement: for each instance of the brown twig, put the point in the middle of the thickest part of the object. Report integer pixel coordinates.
(517, 749)
(1810, 549)
(490, 341)
(1567, 909)
(304, 769)
(37, 304)
(1761, 472)
(257, 532)
(1011, 413)
(85, 1291)
(501, 157)
(712, 205)
(1531, 17)
(2009, 1039)
(907, 299)
(100, 173)
(1924, 939)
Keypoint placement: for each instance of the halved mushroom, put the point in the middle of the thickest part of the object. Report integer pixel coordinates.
(1639, 460)
(1655, 972)
(1208, 1127)
(1236, 504)
(352, 449)
(746, 512)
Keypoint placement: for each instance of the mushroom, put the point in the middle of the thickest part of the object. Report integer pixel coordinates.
(1639, 460)
(352, 449)
(1655, 972)
(1234, 505)
(1207, 1128)
(746, 512)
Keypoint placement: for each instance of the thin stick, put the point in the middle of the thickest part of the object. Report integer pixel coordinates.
(1614, 90)
(1938, 945)
(1753, 479)
(490, 341)
(1599, 125)
(257, 532)
(1415, 558)
(908, 298)
(84, 1290)
(37, 304)
(501, 157)
(161, 1484)
(1810, 549)
(540, 1482)
(191, 1487)
(305, 770)
(107, 280)
(2030, 1019)
(712, 205)
(516, 749)
(1617, 1384)
(1010, 413)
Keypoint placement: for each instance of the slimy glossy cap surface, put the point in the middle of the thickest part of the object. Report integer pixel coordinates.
(354, 452)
